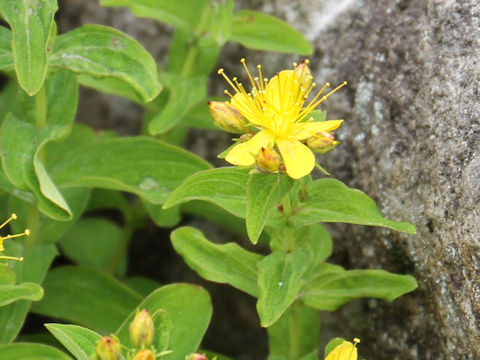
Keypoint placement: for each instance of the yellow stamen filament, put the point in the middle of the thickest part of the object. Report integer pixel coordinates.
(3, 238)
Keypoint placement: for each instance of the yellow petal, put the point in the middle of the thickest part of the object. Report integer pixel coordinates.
(344, 351)
(282, 91)
(299, 159)
(311, 128)
(244, 153)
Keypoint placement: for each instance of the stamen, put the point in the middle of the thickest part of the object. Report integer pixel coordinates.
(11, 258)
(227, 79)
(242, 60)
(3, 238)
(12, 217)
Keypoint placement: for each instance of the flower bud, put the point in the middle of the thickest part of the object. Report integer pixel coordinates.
(227, 117)
(145, 355)
(108, 348)
(267, 160)
(303, 72)
(322, 143)
(142, 329)
(196, 356)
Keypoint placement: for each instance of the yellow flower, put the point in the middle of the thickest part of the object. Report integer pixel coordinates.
(344, 351)
(3, 238)
(277, 109)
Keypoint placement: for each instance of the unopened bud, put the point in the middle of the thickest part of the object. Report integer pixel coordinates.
(108, 348)
(303, 72)
(145, 355)
(142, 329)
(322, 143)
(227, 117)
(267, 160)
(196, 357)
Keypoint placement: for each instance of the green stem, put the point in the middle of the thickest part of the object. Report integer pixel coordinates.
(294, 334)
(193, 51)
(288, 234)
(41, 108)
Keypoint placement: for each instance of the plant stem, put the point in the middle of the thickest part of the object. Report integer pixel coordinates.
(288, 234)
(193, 51)
(294, 333)
(41, 108)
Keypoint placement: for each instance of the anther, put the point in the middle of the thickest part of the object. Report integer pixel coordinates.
(220, 71)
(242, 60)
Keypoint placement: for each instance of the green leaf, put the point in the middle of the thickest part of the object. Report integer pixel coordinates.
(224, 187)
(6, 55)
(18, 141)
(141, 165)
(48, 231)
(7, 275)
(189, 308)
(185, 14)
(142, 285)
(24, 291)
(103, 52)
(163, 218)
(110, 85)
(96, 243)
(226, 263)
(68, 296)
(81, 342)
(260, 31)
(222, 18)
(333, 286)
(281, 340)
(279, 282)
(263, 193)
(199, 117)
(31, 21)
(183, 94)
(329, 200)
(28, 351)
(32, 269)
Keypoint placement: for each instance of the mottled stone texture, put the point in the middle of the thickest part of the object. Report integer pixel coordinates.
(410, 140)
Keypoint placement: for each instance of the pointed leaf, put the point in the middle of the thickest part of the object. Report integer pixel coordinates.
(31, 21)
(141, 165)
(329, 200)
(226, 263)
(189, 308)
(263, 193)
(222, 20)
(81, 342)
(334, 286)
(225, 187)
(279, 282)
(69, 295)
(101, 52)
(260, 31)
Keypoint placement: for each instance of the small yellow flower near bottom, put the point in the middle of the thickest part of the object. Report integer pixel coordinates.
(3, 238)
(344, 351)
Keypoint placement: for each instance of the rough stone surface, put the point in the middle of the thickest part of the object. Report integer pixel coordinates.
(410, 141)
